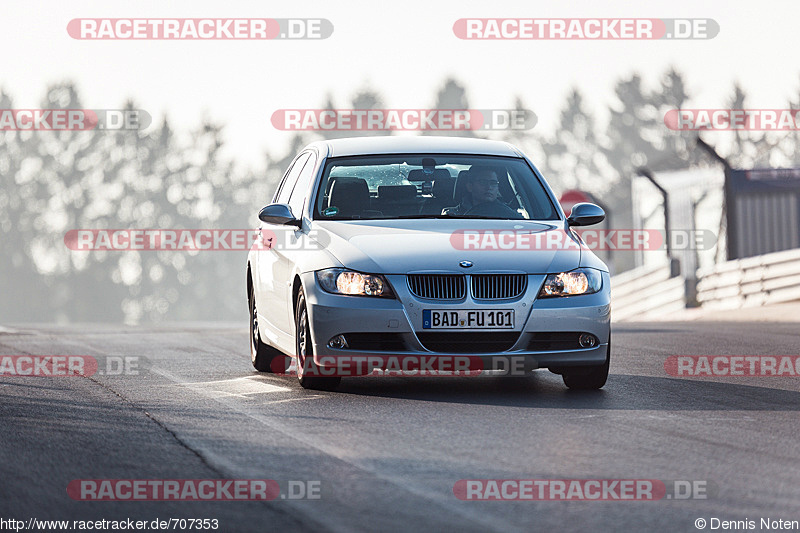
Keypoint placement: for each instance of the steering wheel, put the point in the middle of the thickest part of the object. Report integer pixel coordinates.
(491, 209)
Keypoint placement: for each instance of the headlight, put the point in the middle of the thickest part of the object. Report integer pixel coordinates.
(341, 281)
(572, 283)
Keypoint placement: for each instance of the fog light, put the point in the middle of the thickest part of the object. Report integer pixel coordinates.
(587, 341)
(338, 342)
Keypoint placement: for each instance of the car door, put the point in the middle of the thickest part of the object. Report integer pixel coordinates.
(294, 238)
(271, 286)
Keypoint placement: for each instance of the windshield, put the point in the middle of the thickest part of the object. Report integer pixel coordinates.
(431, 186)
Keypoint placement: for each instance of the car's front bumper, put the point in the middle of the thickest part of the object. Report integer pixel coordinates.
(332, 315)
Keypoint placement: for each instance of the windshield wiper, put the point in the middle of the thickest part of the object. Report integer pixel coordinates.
(421, 216)
(484, 217)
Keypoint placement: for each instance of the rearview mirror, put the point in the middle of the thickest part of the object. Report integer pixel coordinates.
(586, 214)
(427, 174)
(280, 214)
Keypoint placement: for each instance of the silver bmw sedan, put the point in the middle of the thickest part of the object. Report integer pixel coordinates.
(424, 253)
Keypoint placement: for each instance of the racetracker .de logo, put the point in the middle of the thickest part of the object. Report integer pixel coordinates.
(732, 365)
(84, 240)
(73, 119)
(583, 489)
(72, 365)
(173, 489)
(559, 489)
(732, 119)
(377, 365)
(587, 29)
(598, 240)
(182, 240)
(403, 119)
(48, 365)
(202, 29)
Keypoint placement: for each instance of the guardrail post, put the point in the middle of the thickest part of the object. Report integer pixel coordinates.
(691, 292)
(674, 267)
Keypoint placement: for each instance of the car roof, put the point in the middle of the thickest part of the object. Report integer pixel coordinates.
(417, 144)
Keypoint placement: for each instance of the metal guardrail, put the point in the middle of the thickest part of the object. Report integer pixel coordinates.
(646, 292)
(750, 282)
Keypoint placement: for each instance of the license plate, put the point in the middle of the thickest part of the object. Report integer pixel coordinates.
(467, 319)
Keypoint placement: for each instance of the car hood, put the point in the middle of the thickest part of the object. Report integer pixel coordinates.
(403, 246)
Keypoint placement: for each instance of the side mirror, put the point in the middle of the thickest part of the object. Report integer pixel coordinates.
(280, 214)
(585, 214)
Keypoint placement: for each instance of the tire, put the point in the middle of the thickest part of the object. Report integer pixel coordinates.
(305, 351)
(261, 355)
(587, 377)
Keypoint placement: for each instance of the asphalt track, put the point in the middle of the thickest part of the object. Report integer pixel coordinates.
(387, 452)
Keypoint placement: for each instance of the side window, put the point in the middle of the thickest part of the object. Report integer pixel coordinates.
(298, 196)
(291, 179)
(280, 184)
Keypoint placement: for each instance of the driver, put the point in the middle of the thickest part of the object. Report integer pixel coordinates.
(482, 196)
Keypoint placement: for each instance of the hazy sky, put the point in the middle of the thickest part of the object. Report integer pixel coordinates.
(404, 50)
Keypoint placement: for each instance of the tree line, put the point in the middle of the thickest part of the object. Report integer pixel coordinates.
(55, 181)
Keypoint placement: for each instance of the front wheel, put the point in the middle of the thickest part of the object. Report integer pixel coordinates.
(308, 373)
(587, 377)
(261, 354)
